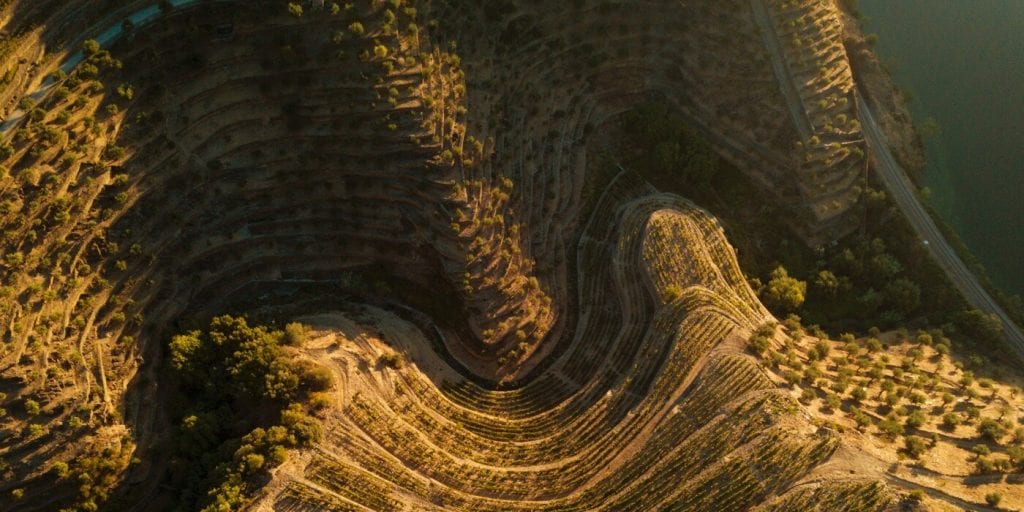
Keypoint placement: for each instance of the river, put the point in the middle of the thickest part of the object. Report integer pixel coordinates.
(963, 63)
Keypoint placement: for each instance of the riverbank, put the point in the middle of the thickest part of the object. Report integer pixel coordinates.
(963, 63)
(905, 141)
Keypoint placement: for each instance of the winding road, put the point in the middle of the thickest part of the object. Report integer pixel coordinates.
(896, 182)
(903, 192)
(105, 39)
(892, 175)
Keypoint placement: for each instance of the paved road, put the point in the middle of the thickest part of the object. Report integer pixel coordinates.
(903, 192)
(106, 38)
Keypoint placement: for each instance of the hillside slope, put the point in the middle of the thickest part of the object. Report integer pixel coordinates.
(511, 322)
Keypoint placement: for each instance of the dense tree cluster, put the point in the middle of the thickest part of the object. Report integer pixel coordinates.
(663, 142)
(246, 399)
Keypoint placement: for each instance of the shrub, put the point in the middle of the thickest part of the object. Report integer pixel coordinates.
(916, 419)
(31, 407)
(90, 47)
(390, 360)
(916, 496)
(859, 393)
(305, 428)
(792, 324)
(320, 400)
(874, 345)
(973, 413)
(807, 395)
(758, 344)
(991, 429)
(863, 420)
(126, 91)
(833, 401)
(993, 499)
(114, 152)
(915, 446)
(890, 427)
(947, 398)
(314, 377)
(822, 347)
(673, 292)
(295, 334)
(951, 420)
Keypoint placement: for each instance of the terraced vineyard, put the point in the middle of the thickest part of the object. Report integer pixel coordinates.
(503, 324)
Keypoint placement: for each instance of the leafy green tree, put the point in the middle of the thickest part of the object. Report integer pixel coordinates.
(915, 446)
(874, 345)
(991, 429)
(890, 426)
(833, 401)
(61, 470)
(982, 327)
(295, 334)
(885, 266)
(859, 393)
(1016, 454)
(758, 344)
(916, 419)
(807, 395)
(784, 292)
(234, 375)
(827, 282)
(903, 294)
(90, 47)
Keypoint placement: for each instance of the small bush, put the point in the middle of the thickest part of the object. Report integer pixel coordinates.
(390, 360)
(951, 420)
(673, 292)
(916, 496)
(993, 499)
(295, 334)
(991, 429)
(315, 377)
(890, 427)
(758, 344)
(320, 400)
(916, 419)
(915, 446)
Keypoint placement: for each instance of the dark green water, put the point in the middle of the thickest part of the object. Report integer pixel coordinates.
(963, 62)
